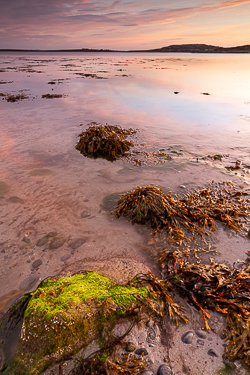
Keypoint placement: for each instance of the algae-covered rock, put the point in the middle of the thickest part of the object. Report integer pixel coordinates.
(64, 315)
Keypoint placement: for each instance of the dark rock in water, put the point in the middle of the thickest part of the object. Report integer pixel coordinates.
(26, 239)
(37, 263)
(164, 370)
(200, 342)
(201, 333)
(77, 243)
(212, 353)
(141, 351)
(130, 347)
(85, 214)
(187, 337)
(65, 257)
(56, 243)
(42, 241)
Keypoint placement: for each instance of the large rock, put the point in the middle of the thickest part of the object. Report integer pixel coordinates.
(64, 315)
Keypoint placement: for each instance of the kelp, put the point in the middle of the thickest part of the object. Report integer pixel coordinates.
(105, 141)
(216, 287)
(197, 212)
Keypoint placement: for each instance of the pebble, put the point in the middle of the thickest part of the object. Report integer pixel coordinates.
(85, 214)
(187, 337)
(151, 334)
(37, 263)
(141, 351)
(182, 186)
(164, 370)
(65, 257)
(29, 282)
(147, 373)
(200, 342)
(77, 243)
(26, 239)
(201, 333)
(212, 353)
(56, 243)
(150, 323)
(130, 347)
(42, 241)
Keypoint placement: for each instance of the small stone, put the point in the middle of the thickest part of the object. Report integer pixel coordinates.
(28, 283)
(26, 239)
(65, 257)
(187, 337)
(182, 186)
(151, 334)
(56, 243)
(212, 353)
(37, 263)
(164, 370)
(42, 241)
(147, 373)
(201, 333)
(3, 251)
(85, 214)
(77, 243)
(141, 351)
(150, 323)
(200, 342)
(130, 347)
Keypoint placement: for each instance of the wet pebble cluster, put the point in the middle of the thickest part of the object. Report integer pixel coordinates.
(152, 336)
(200, 335)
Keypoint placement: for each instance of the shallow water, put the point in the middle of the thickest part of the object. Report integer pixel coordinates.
(47, 186)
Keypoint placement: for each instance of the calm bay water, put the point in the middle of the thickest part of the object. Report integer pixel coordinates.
(46, 185)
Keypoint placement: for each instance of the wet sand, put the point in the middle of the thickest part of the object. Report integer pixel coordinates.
(53, 208)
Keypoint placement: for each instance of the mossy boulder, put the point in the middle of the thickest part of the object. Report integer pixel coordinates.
(65, 314)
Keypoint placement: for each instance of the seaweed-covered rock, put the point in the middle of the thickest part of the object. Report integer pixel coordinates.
(64, 315)
(105, 141)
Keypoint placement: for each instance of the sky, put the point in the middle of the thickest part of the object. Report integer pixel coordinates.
(122, 24)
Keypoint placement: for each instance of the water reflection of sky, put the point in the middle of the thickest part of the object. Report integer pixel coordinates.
(139, 91)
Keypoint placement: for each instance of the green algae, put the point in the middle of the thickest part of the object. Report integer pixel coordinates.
(56, 296)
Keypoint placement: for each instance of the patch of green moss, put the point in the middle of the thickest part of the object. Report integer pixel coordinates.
(55, 297)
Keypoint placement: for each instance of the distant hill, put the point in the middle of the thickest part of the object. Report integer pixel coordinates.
(189, 48)
(201, 48)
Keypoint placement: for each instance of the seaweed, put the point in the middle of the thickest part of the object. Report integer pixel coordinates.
(105, 141)
(196, 212)
(216, 287)
(51, 96)
(15, 98)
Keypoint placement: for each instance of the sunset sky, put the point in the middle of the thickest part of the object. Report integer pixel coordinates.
(122, 24)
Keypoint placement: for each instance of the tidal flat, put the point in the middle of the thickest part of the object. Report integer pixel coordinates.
(191, 114)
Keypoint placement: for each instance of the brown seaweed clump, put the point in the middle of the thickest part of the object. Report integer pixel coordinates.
(105, 141)
(51, 96)
(15, 98)
(216, 287)
(195, 213)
